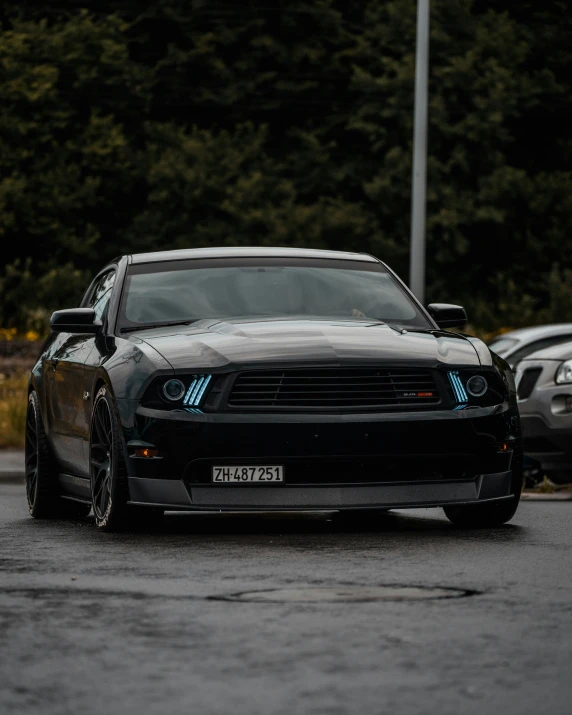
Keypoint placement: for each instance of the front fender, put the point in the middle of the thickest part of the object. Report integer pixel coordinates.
(127, 368)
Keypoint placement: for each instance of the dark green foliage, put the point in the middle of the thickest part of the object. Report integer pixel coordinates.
(136, 126)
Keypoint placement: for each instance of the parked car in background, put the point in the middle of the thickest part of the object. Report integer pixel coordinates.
(518, 344)
(544, 389)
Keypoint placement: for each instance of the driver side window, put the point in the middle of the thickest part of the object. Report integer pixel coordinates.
(101, 294)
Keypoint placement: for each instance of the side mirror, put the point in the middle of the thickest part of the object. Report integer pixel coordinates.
(75, 320)
(448, 316)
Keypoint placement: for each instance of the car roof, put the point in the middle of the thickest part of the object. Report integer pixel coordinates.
(562, 351)
(526, 335)
(248, 252)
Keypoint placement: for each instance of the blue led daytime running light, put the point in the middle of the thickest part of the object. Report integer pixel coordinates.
(454, 386)
(197, 390)
(458, 387)
(189, 391)
(198, 384)
(464, 396)
(206, 381)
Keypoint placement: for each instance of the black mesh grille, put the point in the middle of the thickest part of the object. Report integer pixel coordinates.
(334, 389)
(527, 382)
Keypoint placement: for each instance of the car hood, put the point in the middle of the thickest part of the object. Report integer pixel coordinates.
(240, 344)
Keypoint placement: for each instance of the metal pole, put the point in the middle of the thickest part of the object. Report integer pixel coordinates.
(419, 177)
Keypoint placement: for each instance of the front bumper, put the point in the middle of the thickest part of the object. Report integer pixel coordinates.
(547, 445)
(175, 494)
(331, 461)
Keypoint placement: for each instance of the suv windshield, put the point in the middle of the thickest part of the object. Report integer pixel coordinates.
(502, 346)
(225, 289)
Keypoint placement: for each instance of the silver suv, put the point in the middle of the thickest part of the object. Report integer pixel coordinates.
(518, 344)
(544, 387)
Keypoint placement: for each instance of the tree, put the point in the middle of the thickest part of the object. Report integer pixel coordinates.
(188, 123)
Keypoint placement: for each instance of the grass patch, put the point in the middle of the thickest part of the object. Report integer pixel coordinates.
(548, 487)
(13, 406)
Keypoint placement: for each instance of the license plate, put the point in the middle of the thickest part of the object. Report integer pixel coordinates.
(241, 474)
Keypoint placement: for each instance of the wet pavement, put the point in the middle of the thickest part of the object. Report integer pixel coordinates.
(11, 464)
(226, 614)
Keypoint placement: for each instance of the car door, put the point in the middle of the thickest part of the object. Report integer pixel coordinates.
(69, 416)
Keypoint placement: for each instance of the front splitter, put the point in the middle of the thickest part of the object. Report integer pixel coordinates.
(176, 494)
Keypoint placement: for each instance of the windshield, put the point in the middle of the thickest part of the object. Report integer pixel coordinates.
(502, 346)
(538, 345)
(224, 289)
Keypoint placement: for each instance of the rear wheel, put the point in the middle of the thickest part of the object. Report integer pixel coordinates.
(108, 473)
(42, 489)
(41, 472)
(480, 516)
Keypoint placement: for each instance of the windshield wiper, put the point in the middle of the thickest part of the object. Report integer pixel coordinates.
(156, 325)
(388, 325)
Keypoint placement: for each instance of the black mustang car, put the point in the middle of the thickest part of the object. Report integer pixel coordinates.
(266, 379)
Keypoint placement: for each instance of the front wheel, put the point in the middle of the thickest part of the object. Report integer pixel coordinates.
(481, 516)
(108, 473)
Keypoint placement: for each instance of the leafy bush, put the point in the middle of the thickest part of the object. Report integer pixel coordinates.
(13, 406)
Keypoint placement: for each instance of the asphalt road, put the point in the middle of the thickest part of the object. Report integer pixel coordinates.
(93, 623)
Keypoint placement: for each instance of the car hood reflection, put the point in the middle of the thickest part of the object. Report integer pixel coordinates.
(216, 344)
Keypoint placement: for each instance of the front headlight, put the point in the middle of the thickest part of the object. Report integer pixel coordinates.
(477, 386)
(564, 373)
(185, 391)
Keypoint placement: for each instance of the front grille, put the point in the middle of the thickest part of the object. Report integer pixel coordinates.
(527, 382)
(323, 389)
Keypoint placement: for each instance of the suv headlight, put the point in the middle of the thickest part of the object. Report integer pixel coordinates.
(564, 373)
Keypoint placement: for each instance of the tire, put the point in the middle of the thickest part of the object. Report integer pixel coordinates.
(42, 490)
(482, 516)
(108, 473)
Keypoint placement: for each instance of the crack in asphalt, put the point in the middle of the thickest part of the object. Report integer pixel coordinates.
(350, 594)
(303, 594)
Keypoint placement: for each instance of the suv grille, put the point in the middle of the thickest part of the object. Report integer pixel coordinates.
(333, 389)
(527, 382)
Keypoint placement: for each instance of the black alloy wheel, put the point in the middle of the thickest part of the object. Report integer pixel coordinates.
(108, 473)
(481, 516)
(101, 448)
(42, 490)
(31, 455)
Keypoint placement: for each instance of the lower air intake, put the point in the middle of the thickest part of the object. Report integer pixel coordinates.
(527, 382)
